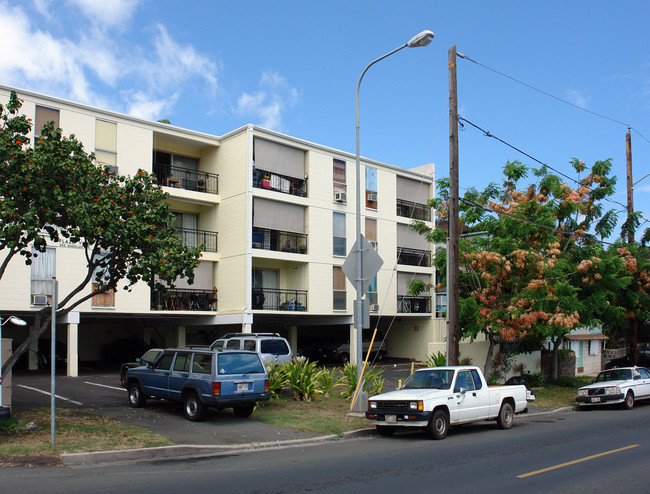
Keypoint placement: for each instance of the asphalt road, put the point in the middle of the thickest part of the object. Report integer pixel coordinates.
(595, 451)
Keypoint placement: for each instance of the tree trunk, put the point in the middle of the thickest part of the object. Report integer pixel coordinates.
(493, 340)
(555, 361)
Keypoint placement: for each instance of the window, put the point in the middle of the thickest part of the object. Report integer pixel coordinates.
(338, 233)
(371, 188)
(106, 142)
(202, 363)
(371, 232)
(477, 379)
(240, 363)
(182, 363)
(371, 294)
(164, 362)
(42, 270)
(464, 381)
(44, 115)
(106, 299)
(187, 228)
(339, 176)
(339, 288)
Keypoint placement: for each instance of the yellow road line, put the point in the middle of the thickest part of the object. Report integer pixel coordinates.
(562, 465)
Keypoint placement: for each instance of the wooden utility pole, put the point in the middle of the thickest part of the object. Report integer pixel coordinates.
(453, 292)
(634, 322)
(630, 181)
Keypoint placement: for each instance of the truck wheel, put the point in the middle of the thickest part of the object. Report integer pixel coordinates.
(193, 409)
(385, 431)
(506, 414)
(136, 398)
(244, 411)
(439, 425)
(629, 401)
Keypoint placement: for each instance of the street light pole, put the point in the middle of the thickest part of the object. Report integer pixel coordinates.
(421, 39)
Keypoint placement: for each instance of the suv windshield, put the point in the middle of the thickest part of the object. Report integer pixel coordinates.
(429, 379)
(240, 363)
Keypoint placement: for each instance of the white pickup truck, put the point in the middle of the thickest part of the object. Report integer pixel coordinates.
(437, 397)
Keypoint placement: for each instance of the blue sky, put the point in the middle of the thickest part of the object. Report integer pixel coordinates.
(292, 66)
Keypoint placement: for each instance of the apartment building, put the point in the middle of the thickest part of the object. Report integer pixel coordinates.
(276, 217)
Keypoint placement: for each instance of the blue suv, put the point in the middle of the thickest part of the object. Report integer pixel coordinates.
(201, 378)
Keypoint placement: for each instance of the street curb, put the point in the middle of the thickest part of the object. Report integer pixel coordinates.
(185, 452)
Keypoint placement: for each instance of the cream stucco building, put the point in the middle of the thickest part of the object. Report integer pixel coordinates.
(276, 215)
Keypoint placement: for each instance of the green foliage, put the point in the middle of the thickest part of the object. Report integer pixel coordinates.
(328, 380)
(302, 377)
(534, 379)
(438, 359)
(373, 383)
(277, 379)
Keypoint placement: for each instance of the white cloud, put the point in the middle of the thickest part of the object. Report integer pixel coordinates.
(267, 105)
(80, 63)
(574, 96)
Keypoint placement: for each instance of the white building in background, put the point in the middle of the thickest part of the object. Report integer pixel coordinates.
(276, 215)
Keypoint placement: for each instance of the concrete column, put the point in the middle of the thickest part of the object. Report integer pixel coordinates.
(181, 337)
(293, 339)
(5, 389)
(73, 350)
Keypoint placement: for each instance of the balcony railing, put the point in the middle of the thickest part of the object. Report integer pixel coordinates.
(413, 257)
(184, 299)
(195, 238)
(183, 178)
(279, 299)
(408, 305)
(413, 210)
(263, 179)
(279, 241)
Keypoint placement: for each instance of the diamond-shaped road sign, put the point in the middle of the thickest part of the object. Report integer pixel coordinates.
(370, 264)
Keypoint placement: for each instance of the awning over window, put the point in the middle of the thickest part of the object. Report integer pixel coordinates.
(410, 239)
(412, 190)
(278, 158)
(276, 215)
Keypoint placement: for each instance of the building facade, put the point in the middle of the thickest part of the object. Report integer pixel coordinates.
(276, 217)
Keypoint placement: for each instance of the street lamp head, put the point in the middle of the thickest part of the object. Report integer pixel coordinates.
(421, 39)
(14, 320)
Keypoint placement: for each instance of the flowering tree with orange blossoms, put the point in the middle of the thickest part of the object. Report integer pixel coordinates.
(520, 278)
(54, 192)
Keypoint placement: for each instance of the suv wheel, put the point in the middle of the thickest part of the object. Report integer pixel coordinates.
(193, 409)
(244, 411)
(136, 398)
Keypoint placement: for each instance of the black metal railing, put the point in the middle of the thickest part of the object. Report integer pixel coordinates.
(264, 179)
(413, 210)
(413, 257)
(279, 299)
(407, 305)
(184, 299)
(183, 178)
(279, 241)
(195, 238)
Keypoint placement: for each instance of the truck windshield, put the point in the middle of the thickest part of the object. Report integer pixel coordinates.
(429, 379)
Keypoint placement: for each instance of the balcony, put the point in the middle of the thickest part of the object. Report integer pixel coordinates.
(183, 299)
(279, 241)
(279, 299)
(183, 178)
(413, 257)
(414, 305)
(195, 238)
(413, 210)
(263, 179)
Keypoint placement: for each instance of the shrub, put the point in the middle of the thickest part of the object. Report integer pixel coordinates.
(373, 382)
(328, 380)
(277, 379)
(302, 378)
(438, 359)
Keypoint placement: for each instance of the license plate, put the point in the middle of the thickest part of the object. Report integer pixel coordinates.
(595, 400)
(242, 387)
(391, 418)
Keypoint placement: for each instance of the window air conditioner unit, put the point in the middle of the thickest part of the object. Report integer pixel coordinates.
(374, 307)
(372, 197)
(373, 245)
(39, 299)
(340, 196)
